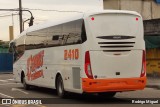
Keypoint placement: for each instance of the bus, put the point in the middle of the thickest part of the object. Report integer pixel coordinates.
(100, 52)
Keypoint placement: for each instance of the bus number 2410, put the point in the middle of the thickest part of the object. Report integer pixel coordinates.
(72, 54)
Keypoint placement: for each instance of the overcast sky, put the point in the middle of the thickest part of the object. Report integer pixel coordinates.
(41, 16)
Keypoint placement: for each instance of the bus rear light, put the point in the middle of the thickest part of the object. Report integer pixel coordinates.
(87, 67)
(137, 19)
(92, 18)
(143, 72)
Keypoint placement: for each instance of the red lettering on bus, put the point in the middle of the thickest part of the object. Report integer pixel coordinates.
(72, 54)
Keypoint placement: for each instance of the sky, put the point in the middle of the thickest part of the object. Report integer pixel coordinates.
(8, 18)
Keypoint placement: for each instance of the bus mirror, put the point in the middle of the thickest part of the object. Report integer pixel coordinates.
(56, 37)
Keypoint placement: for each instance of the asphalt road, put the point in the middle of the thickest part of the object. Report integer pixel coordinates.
(10, 89)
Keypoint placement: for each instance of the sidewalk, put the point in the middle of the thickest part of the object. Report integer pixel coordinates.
(6, 72)
(153, 82)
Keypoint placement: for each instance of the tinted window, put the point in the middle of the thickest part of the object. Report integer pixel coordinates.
(12, 49)
(30, 42)
(11, 45)
(18, 48)
(65, 34)
(69, 33)
(36, 39)
(83, 34)
(74, 37)
(54, 36)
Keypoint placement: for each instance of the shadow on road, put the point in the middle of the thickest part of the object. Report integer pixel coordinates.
(73, 98)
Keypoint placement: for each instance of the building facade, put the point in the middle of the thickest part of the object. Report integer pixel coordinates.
(149, 9)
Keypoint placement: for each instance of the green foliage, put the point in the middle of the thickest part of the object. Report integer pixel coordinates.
(152, 42)
(4, 47)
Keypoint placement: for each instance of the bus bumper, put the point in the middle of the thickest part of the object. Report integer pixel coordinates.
(110, 85)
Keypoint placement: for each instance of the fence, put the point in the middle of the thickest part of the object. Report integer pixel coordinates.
(6, 62)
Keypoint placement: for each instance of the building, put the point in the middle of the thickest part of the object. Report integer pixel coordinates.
(149, 9)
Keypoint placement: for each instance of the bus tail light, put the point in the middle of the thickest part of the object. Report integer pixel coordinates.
(143, 72)
(87, 65)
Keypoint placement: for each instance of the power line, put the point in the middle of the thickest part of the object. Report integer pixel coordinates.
(5, 13)
(8, 15)
(20, 15)
(53, 10)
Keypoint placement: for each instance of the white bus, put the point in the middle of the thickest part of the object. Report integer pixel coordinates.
(98, 52)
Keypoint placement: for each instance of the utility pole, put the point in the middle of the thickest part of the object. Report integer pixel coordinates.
(20, 15)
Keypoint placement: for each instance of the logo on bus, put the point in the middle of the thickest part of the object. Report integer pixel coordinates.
(34, 66)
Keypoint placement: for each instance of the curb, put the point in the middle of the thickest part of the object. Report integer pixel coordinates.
(154, 86)
(6, 72)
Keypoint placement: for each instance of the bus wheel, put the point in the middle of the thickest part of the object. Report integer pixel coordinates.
(107, 94)
(60, 87)
(25, 85)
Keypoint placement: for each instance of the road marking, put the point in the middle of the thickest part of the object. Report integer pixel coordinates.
(10, 79)
(16, 89)
(3, 81)
(5, 105)
(9, 83)
(7, 80)
(6, 96)
(40, 105)
(27, 105)
(18, 105)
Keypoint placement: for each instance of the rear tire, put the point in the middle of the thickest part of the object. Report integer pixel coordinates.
(60, 87)
(107, 94)
(25, 85)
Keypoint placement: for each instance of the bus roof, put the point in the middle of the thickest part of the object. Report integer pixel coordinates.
(72, 18)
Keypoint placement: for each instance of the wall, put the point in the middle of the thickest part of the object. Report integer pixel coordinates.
(149, 9)
(6, 62)
(153, 62)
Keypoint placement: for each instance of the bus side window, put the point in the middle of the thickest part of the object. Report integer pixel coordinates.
(41, 38)
(12, 49)
(74, 33)
(19, 47)
(36, 39)
(29, 42)
(55, 40)
(83, 34)
(54, 36)
(15, 53)
(40, 41)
